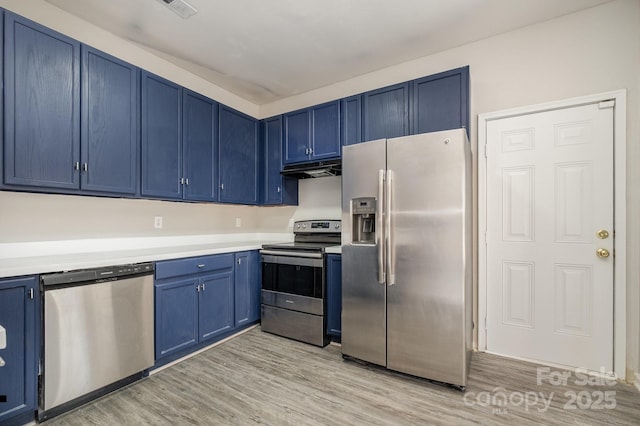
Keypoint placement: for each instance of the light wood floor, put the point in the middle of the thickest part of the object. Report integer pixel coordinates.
(262, 378)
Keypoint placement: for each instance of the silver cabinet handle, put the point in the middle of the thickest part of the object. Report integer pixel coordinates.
(380, 235)
(186, 181)
(201, 265)
(181, 181)
(310, 150)
(278, 190)
(391, 267)
(239, 261)
(85, 167)
(2, 363)
(76, 166)
(203, 288)
(222, 186)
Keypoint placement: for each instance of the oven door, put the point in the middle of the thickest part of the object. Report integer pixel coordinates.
(300, 276)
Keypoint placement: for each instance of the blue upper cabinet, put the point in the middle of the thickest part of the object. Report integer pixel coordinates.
(238, 156)
(161, 136)
(297, 135)
(200, 157)
(110, 137)
(325, 131)
(277, 190)
(312, 134)
(351, 120)
(441, 102)
(386, 112)
(42, 106)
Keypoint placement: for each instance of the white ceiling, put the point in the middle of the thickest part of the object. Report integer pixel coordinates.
(265, 50)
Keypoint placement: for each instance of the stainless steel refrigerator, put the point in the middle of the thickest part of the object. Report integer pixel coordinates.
(407, 254)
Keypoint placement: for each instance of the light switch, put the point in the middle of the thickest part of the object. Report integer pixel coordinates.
(3, 337)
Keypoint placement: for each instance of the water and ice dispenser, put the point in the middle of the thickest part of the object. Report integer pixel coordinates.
(363, 220)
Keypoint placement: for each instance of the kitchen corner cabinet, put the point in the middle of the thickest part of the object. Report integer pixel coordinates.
(312, 134)
(248, 285)
(194, 300)
(19, 365)
(441, 102)
(385, 112)
(238, 154)
(277, 189)
(41, 106)
(334, 295)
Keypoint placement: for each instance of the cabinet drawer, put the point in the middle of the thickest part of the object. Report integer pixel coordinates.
(193, 265)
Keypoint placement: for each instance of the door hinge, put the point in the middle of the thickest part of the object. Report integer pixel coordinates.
(607, 104)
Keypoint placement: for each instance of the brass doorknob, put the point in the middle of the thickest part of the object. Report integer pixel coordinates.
(602, 252)
(602, 234)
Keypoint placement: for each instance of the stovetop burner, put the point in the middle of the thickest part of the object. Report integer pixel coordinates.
(311, 236)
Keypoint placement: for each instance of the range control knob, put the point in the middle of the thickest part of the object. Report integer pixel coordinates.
(298, 226)
(304, 226)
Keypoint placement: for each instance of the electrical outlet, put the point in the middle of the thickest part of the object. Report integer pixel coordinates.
(238, 222)
(157, 222)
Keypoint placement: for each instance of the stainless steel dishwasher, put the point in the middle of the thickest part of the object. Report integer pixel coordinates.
(98, 333)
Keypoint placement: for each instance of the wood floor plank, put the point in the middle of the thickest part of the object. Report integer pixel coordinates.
(259, 378)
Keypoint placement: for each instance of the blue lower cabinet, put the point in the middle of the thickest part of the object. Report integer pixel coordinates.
(215, 304)
(334, 295)
(201, 299)
(18, 374)
(176, 316)
(247, 287)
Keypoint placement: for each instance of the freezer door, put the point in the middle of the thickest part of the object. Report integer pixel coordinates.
(363, 297)
(429, 237)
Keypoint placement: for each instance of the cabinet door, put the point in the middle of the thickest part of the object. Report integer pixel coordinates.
(386, 112)
(441, 102)
(238, 157)
(277, 190)
(110, 104)
(18, 375)
(242, 288)
(248, 283)
(176, 316)
(325, 128)
(351, 120)
(216, 304)
(42, 106)
(200, 161)
(161, 134)
(297, 135)
(334, 294)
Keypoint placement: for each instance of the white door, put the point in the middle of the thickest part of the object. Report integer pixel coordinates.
(549, 193)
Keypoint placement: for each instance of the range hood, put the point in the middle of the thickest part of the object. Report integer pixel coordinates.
(313, 170)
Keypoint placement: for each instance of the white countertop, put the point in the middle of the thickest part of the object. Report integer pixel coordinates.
(333, 250)
(54, 256)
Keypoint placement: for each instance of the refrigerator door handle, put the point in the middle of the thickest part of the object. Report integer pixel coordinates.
(389, 237)
(380, 235)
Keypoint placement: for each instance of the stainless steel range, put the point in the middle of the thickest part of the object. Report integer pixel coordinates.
(293, 282)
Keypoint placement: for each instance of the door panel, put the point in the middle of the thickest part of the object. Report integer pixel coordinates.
(325, 140)
(427, 321)
(386, 112)
(198, 132)
(549, 191)
(176, 316)
(110, 118)
(363, 298)
(216, 304)
(42, 98)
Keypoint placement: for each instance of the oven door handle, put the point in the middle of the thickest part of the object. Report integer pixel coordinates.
(292, 253)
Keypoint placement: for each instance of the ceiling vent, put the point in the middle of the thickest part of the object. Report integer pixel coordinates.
(181, 8)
